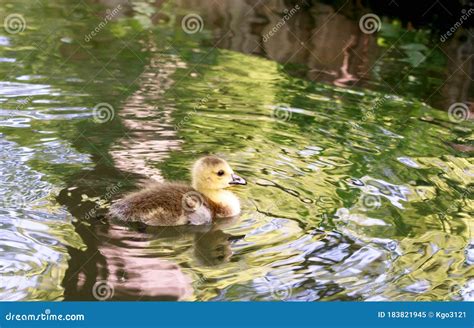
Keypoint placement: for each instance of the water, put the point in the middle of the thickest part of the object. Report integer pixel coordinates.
(356, 192)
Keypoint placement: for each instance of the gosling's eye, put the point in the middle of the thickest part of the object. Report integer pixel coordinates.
(220, 173)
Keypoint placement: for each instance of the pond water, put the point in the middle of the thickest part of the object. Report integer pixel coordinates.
(357, 191)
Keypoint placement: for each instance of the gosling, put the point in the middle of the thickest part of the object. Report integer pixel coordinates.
(173, 203)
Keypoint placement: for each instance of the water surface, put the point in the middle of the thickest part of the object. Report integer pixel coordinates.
(356, 191)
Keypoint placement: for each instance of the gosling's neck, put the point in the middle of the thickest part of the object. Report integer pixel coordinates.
(228, 204)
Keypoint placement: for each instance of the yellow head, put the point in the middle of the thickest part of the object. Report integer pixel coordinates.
(214, 173)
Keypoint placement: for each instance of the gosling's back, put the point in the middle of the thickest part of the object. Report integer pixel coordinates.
(164, 204)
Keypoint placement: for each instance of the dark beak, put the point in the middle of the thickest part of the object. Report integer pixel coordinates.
(236, 180)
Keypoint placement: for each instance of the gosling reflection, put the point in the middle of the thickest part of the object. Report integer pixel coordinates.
(132, 262)
(212, 247)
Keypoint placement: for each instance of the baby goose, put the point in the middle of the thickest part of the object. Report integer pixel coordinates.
(172, 204)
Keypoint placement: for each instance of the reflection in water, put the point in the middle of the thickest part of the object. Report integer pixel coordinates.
(331, 45)
(148, 141)
(134, 263)
(34, 232)
(327, 41)
(127, 264)
(353, 194)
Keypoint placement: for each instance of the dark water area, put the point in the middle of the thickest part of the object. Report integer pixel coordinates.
(360, 179)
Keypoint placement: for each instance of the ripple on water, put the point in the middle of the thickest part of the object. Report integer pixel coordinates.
(339, 206)
(18, 90)
(33, 241)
